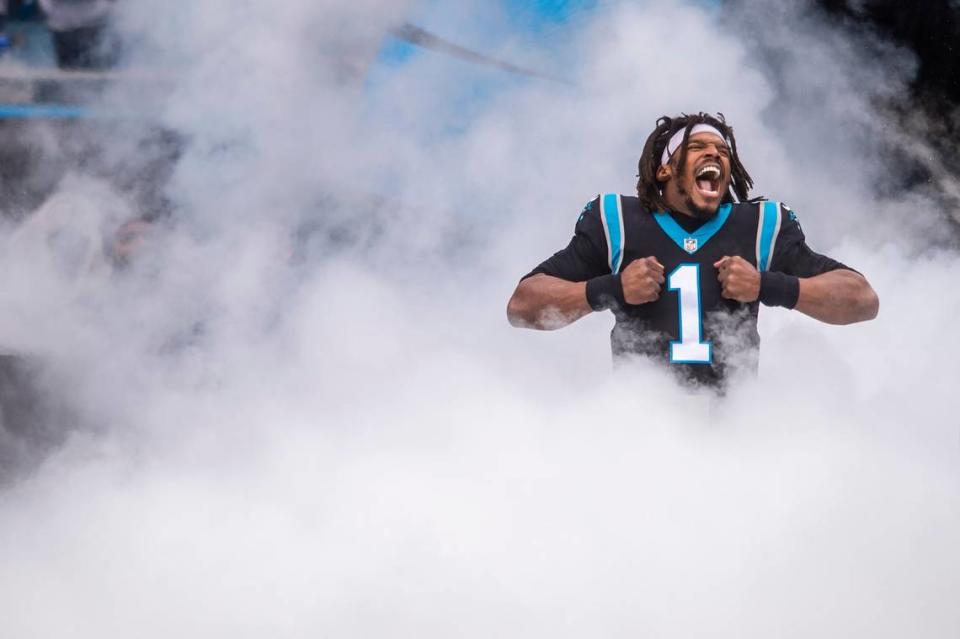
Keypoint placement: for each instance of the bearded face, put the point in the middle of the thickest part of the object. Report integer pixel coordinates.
(698, 187)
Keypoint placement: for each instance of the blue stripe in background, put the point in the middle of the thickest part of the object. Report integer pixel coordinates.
(42, 112)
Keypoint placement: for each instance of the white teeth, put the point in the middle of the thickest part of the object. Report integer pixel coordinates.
(709, 168)
(711, 172)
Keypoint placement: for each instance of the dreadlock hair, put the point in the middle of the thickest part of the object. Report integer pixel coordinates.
(649, 189)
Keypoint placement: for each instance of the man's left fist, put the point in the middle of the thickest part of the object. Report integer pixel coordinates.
(739, 280)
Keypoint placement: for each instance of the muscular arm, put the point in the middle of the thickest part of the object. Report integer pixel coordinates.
(555, 293)
(838, 297)
(546, 303)
(829, 291)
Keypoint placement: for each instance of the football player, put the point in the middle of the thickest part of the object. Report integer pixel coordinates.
(685, 265)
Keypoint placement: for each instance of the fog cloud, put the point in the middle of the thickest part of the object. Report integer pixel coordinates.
(301, 410)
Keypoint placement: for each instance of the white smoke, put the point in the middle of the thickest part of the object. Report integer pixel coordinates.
(361, 445)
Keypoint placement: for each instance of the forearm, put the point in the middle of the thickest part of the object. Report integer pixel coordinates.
(838, 297)
(545, 303)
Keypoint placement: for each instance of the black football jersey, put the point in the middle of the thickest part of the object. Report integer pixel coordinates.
(691, 327)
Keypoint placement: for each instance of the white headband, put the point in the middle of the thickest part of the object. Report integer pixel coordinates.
(677, 138)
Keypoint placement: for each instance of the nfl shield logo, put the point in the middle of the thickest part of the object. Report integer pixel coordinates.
(690, 245)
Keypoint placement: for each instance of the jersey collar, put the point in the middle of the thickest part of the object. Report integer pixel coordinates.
(691, 242)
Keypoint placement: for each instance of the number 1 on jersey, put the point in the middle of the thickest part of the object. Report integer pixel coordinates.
(690, 349)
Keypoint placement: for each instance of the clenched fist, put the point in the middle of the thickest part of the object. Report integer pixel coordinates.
(642, 280)
(739, 280)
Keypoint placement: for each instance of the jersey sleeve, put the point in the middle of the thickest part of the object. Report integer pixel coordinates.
(792, 255)
(585, 257)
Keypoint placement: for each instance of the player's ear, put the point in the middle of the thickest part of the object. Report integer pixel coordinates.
(664, 173)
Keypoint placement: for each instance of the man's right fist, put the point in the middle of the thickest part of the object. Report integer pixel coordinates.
(642, 280)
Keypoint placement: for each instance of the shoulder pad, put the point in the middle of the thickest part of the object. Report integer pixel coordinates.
(789, 212)
(589, 206)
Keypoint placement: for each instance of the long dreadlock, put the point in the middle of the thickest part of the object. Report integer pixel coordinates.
(649, 189)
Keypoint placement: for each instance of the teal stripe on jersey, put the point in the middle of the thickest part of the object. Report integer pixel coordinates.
(613, 225)
(767, 230)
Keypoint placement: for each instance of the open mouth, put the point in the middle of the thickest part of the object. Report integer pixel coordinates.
(708, 180)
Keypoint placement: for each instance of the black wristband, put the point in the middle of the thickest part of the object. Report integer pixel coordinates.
(605, 292)
(779, 289)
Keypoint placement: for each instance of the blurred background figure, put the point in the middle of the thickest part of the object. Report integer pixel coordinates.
(128, 240)
(16, 12)
(80, 33)
(4, 39)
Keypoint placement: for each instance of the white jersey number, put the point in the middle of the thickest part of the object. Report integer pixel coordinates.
(691, 349)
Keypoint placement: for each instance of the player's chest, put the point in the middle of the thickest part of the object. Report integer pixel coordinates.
(674, 246)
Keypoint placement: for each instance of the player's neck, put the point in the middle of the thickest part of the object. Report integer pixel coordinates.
(678, 206)
(688, 213)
